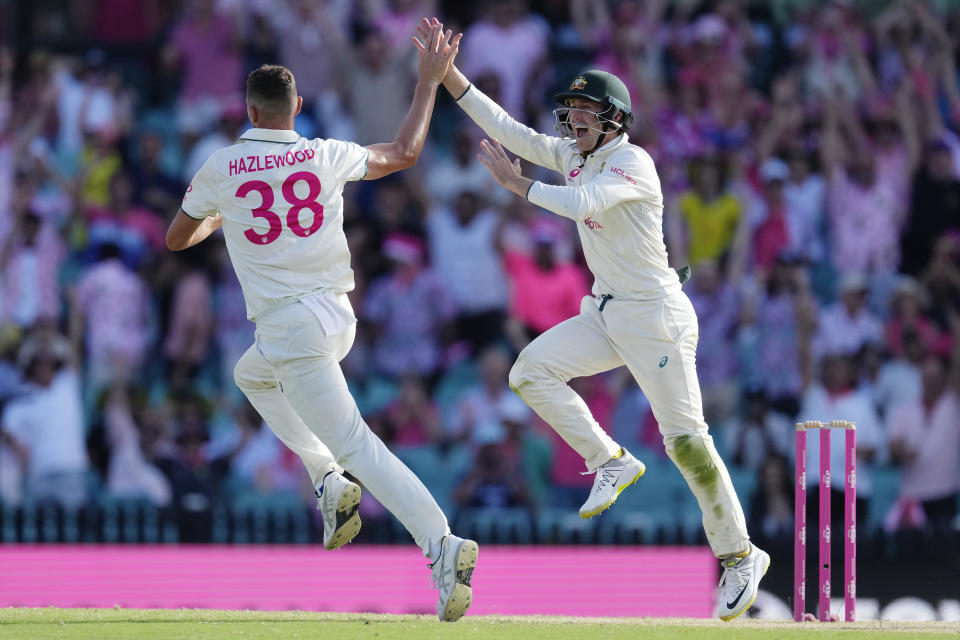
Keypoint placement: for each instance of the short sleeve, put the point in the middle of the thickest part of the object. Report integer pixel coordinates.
(200, 200)
(347, 159)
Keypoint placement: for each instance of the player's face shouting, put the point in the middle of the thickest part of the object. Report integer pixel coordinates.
(584, 123)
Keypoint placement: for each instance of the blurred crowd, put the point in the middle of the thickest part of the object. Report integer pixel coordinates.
(810, 163)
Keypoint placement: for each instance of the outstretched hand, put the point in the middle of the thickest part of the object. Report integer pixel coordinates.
(455, 82)
(506, 172)
(437, 50)
(424, 30)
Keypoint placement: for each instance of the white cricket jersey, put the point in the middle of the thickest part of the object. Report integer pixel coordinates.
(281, 198)
(614, 197)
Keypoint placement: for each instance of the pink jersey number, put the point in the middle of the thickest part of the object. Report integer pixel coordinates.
(263, 211)
(297, 205)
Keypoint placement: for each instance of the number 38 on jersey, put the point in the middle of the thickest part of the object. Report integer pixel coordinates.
(304, 216)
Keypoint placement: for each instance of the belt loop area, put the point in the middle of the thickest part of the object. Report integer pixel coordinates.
(604, 299)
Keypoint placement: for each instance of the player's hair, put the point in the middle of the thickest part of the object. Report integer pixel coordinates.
(272, 88)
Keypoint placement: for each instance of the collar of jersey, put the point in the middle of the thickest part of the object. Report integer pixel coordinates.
(610, 146)
(288, 136)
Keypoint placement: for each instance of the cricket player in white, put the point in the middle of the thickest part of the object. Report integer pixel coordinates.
(637, 315)
(279, 200)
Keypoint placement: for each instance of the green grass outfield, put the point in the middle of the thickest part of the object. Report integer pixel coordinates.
(184, 624)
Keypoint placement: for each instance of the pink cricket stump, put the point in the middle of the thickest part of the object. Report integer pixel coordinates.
(824, 523)
(800, 526)
(850, 524)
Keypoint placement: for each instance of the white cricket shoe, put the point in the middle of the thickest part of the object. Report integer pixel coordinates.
(452, 572)
(613, 477)
(338, 503)
(739, 582)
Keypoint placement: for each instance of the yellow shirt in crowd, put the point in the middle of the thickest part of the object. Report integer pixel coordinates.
(711, 225)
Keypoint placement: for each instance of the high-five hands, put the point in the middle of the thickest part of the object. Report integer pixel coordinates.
(455, 82)
(437, 50)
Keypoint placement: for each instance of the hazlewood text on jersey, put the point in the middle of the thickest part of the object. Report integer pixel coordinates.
(247, 164)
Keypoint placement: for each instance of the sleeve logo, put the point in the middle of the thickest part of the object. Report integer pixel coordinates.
(617, 171)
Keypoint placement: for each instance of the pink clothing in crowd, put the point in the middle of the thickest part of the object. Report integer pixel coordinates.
(865, 224)
(191, 320)
(935, 436)
(541, 299)
(770, 239)
(407, 429)
(125, 21)
(6, 171)
(893, 168)
(210, 58)
(932, 338)
(682, 135)
(510, 53)
(842, 333)
(398, 22)
(30, 285)
(113, 300)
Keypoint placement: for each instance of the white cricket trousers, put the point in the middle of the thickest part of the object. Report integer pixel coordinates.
(292, 376)
(657, 340)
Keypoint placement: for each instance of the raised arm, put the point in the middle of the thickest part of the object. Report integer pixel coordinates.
(858, 60)
(772, 133)
(455, 82)
(909, 127)
(437, 52)
(856, 135)
(831, 148)
(533, 147)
